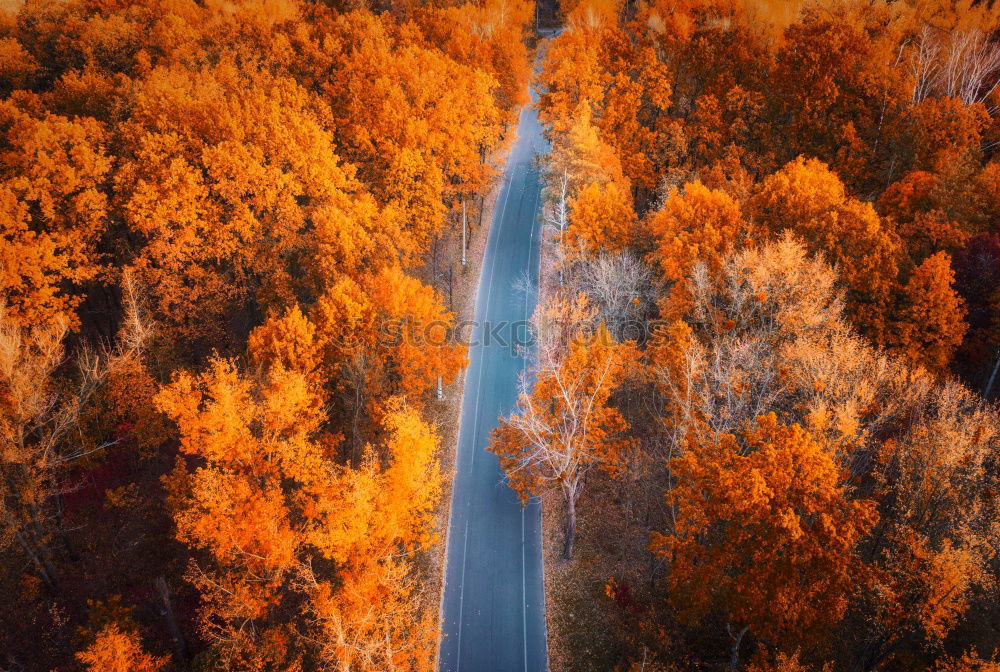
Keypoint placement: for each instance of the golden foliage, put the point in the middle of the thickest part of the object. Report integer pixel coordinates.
(696, 226)
(270, 497)
(114, 650)
(52, 211)
(601, 218)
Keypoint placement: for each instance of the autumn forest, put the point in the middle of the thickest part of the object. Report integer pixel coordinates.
(239, 241)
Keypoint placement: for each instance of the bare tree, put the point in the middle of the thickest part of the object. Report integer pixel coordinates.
(970, 68)
(556, 215)
(40, 424)
(622, 288)
(963, 65)
(728, 367)
(563, 426)
(925, 64)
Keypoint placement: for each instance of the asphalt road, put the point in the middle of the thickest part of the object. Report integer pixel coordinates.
(493, 611)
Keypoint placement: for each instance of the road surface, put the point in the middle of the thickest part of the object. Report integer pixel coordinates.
(493, 611)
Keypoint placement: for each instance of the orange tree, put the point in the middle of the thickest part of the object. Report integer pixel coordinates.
(118, 650)
(231, 182)
(765, 533)
(931, 317)
(695, 225)
(53, 210)
(288, 540)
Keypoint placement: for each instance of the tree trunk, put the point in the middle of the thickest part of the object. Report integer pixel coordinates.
(41, 564)
(734, 653)
(168, 614)
(61, 523)
(570, 529)
(989, 383)
(874, 659)
(355, 419)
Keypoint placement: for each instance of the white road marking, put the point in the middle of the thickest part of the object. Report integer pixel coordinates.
(524, 597)
(461, 593)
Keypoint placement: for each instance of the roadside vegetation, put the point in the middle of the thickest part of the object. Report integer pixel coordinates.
(222, 321)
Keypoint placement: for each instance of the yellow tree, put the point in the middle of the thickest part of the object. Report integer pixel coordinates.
(769, 334)
(385, 334)
(418, 124)
(564, 426)
(17, 67)
(290, 341)
(938, 530)
(634, 115)
(375, 614)
(255, 440)
(574, 71)
(490, 36)
(581, 157)
(601, 218)
(231, 183)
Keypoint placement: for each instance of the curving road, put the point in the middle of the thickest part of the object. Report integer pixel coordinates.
(493, 611)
